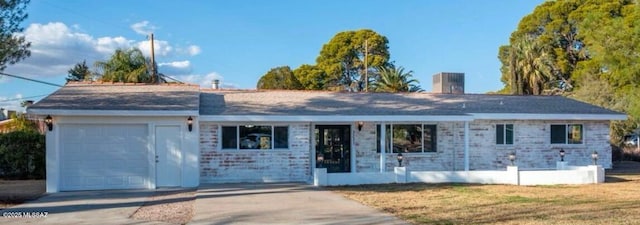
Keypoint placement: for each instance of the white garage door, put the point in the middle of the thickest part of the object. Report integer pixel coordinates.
(98, 156)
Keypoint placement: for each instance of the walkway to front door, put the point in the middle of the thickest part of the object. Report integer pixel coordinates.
(333, 148)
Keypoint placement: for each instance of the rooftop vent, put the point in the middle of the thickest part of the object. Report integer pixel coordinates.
(215, 84)
(448, 83)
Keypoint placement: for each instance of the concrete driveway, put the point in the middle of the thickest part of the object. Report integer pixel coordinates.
(82, 207)
(214, 204)
(280, 204)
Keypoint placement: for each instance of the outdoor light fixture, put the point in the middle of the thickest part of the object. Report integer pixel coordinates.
(49, 122)
(320, 159)
(360, 124)
(594, 156)
(512, 158)
(561, 155)
(190, 123)
(400, 158)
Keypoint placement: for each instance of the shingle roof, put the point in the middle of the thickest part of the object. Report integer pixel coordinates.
(341, 103)
(118, 96)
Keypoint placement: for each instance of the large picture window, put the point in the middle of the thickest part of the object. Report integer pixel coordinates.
(408, 138)
(255, 137)
(566, 134)
(504, 134)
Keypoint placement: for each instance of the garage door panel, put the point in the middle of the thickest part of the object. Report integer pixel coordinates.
(103, 156)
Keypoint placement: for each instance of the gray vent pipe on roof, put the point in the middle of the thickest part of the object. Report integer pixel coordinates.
(215, 84)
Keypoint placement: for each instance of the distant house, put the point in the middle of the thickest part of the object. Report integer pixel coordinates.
(122, 136)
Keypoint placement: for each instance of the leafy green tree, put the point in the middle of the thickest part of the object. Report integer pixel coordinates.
(554, 25)
(343, 58)
(12, 48)
(126, 66)
(585, 49)
(79, 72)
(311, 77)
(281, 78)
(392, 79)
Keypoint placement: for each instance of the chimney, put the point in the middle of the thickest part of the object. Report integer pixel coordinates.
(448, 83)
(215, 84)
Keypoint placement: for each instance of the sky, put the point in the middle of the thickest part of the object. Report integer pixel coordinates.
(239, 41)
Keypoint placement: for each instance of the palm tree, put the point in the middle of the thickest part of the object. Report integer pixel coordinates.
(529, 67)
(125, 66)
(392, 79)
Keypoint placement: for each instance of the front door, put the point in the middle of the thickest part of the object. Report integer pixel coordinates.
(168, 156)
(333, 148)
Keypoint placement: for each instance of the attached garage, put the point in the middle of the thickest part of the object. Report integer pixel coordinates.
(104, 156)
(120, 136)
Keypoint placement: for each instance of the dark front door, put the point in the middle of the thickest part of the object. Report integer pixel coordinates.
(333, 148)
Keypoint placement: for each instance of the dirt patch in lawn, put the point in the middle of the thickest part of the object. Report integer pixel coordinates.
(608, 203)
(13, 192)
(168, 206)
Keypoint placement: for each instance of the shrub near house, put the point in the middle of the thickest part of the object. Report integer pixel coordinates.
(22, 155)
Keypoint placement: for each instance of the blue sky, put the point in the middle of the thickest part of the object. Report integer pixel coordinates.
(239, 41)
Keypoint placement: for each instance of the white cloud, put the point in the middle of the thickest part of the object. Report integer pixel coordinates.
(162, 48)
(12, 102)
(193, 50)
(206, 80)
(143, 27)
(56, 47)
(175, 68)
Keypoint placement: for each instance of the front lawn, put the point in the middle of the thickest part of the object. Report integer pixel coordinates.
(14, 192)
(615, 202)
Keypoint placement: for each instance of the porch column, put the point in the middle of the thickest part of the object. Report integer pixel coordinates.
(466, 145)
(383, 144)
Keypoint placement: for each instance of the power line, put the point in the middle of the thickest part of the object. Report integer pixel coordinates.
(29, 79)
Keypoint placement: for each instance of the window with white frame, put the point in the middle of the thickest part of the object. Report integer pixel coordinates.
(566, 134)
(255, 137)
(504, 134)
(408, 138)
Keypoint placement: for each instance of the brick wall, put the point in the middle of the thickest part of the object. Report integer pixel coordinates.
(231, 166)
(531, 145)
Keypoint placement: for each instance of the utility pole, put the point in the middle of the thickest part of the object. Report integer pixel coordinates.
(366, 69)
(153, 63)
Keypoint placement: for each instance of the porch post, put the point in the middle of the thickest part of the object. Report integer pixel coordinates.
(383, 144)
(466, 145)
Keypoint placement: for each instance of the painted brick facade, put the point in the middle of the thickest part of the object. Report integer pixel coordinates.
(231, 166)
(531, 145)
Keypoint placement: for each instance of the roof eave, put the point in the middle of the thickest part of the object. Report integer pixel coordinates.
(538, 116)
(63, 112)
(332, 118)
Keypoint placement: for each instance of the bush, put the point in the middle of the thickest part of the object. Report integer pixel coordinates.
(22, 155)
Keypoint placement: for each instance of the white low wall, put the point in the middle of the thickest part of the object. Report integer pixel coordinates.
(565, 175)
(479, 177)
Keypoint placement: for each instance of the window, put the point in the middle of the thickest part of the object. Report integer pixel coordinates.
(255, 137)
(566, 134)
(504, 134)
(408, 138)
